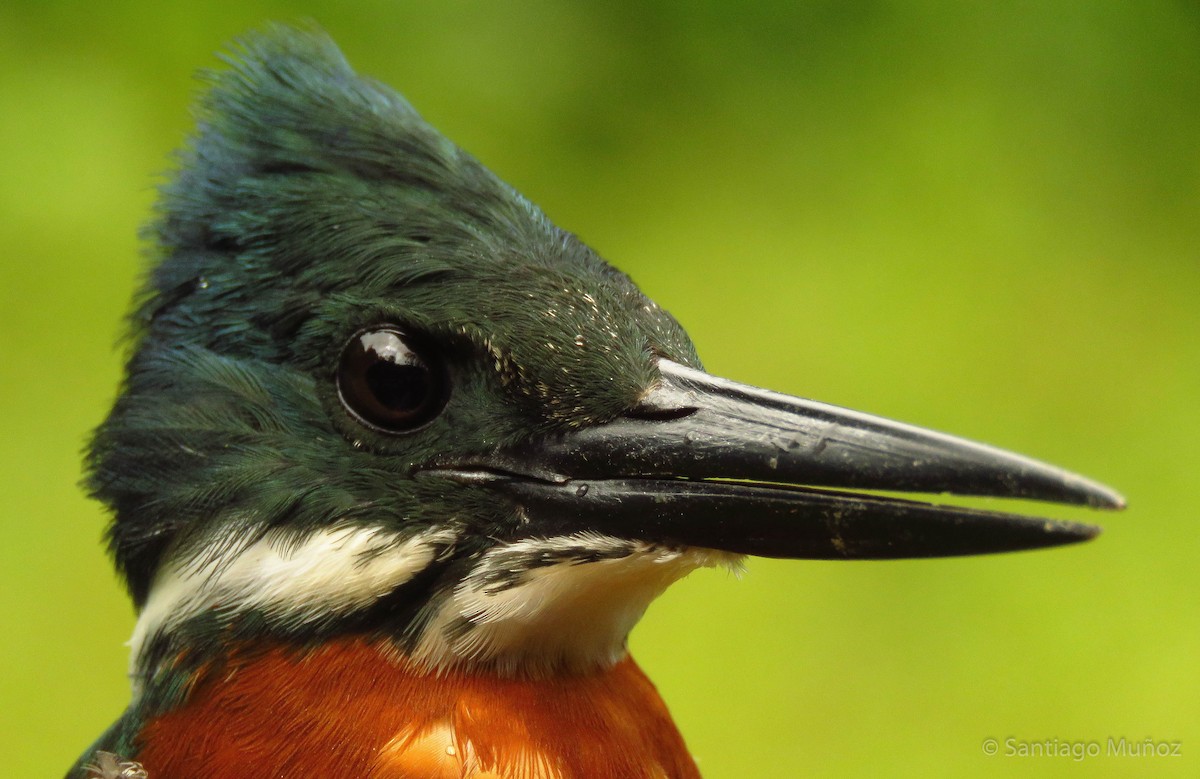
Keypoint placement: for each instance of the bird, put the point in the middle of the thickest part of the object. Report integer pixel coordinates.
(397, 464)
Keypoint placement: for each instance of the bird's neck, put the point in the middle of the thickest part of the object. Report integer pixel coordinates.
(539, 606)
(353, 708)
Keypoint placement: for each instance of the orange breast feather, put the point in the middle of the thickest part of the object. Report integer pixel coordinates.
(348, 710)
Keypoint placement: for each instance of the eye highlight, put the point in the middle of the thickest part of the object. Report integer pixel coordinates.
(388, 382)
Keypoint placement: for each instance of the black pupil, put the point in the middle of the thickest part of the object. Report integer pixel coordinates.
(402, 387)
(386, 383)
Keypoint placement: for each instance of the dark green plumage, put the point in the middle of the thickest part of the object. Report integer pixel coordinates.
(312, 202)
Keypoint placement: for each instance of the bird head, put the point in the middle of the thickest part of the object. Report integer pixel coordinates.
(373, 389)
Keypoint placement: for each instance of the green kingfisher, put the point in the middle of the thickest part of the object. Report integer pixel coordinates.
(397, 464)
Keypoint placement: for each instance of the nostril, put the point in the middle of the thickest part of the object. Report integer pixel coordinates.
(660, 413)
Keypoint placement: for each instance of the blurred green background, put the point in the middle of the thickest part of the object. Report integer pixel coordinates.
(981, 218)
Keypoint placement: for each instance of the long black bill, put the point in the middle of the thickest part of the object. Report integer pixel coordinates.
(704, 461)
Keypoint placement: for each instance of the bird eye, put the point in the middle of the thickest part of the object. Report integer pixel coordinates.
(388, 384)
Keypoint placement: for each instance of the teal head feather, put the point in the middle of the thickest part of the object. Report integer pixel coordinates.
(310, 203)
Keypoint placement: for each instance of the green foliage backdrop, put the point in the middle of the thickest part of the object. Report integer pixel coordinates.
(981, 218)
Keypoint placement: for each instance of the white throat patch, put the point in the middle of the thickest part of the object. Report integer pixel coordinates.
(563, 603)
